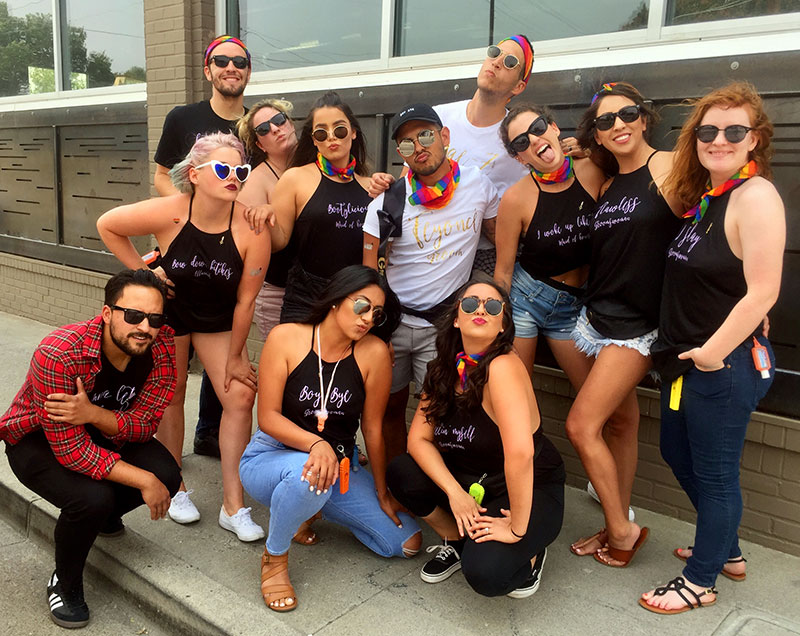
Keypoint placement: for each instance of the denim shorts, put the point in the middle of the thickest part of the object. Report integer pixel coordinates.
(538, 307)
(591, 341)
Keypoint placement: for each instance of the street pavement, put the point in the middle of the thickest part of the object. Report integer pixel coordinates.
(200, 579)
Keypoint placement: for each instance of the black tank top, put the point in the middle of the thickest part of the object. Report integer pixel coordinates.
(630, 232)
(206, 269)
(328, 230)
(301, 398)
(279, 262)
(557, 239)
(703, 281)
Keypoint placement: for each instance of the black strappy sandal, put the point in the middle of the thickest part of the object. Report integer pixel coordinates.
(678, 585)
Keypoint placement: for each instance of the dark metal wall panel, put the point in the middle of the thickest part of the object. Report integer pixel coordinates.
(28, 195)
(101, 167)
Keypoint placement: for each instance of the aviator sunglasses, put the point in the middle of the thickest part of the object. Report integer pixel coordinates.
(340, 132)
(628, 114)
(510, 61)
(277, 120)
(424, 137)
(135, 316)
(521, 142)
(361, 307)
(239, 61)
(734, 134)
(223, 170)
(492, 306)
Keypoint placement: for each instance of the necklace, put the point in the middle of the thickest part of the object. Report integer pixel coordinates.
(322, 411)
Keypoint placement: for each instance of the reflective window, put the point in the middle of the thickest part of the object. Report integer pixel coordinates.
(26, 47)
(106, 43)
(419, 25)
(689, 11)
(291, 34)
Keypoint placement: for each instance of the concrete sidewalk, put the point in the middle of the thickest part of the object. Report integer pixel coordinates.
(200, 579)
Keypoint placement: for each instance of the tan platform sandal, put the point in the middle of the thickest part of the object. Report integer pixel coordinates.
(271, 566)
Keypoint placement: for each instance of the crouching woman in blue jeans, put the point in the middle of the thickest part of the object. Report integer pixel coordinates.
(723, 274)
(316, 380)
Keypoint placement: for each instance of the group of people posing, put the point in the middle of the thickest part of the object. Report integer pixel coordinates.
(626, 259)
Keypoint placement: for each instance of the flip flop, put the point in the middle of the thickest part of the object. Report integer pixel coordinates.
(678, 585)
(601, 537)
(733, 577)
(624, 556)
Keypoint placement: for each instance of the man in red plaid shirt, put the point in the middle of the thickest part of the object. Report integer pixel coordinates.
(80, 431)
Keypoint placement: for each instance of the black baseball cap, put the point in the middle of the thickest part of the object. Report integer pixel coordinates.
(414, 112)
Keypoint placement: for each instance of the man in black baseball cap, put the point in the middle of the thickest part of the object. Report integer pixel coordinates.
(414, 112)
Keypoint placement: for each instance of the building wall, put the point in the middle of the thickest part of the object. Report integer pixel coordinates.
(57, 295)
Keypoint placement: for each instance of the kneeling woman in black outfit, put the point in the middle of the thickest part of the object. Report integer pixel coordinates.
(477, 429)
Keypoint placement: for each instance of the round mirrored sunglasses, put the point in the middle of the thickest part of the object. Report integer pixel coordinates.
(492, 306)
(362, 306)
(425, 138)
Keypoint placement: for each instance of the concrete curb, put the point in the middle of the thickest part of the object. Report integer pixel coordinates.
(182, 598)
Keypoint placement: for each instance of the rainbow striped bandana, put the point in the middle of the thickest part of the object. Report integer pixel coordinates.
(558, 176)
(527, 52)
(327, 168)
(463, 360)
(749, 170)
(224, 38)
(438, 195)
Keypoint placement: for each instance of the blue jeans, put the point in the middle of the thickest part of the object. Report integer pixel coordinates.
(702, 442)
(271, 472)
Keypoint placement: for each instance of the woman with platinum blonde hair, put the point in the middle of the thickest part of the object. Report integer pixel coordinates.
(214, 266)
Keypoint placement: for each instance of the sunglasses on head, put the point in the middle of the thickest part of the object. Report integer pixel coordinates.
(277, 120)
(223, 170)
(510, 61)
(134, 317)
(362, 306)
(239, 61)
(628, 114)
(425, 138)
(734, 134)
(340, 132)
(492, 306)
(521, 142)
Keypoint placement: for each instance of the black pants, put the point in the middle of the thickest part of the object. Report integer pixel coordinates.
(491, 568)
(86, 504)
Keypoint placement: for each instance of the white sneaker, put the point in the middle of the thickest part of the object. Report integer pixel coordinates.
(241, 524)
(593, 494)
(181, 508)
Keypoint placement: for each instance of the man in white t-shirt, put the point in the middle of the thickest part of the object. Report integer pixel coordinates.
(446, 208)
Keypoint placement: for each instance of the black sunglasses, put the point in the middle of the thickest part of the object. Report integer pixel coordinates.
(277, 120)
(628, 114)
(135, 316)
(521, 142)
(492, 306)
(239, 61)
(734, 134)
(510, 61)
(340, 132)
(362, 306)
(424, 137)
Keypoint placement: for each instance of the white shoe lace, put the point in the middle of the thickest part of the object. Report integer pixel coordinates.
(242, 519)
(181, 500)
(444, 551)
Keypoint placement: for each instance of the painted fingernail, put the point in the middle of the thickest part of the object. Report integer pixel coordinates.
(325, 491)
(311, 489)
(319, 492)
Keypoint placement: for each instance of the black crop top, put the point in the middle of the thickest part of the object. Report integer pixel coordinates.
(557, 239)
(631, 229)
(301, 398)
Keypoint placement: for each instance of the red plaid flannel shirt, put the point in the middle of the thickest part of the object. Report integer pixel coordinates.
(73, 352)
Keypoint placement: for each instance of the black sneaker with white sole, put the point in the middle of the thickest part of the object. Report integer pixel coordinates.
(531, 584)
(66, 612)
(443, 565)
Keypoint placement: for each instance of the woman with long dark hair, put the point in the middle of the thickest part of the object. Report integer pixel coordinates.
(318, 378)
(216, 265)
(630, 230)
(715, 366)
(320, 202)
(479, 469)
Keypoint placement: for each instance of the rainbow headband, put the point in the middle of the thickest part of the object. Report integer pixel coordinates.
(605, 88)
(527, 53)
(224, 38)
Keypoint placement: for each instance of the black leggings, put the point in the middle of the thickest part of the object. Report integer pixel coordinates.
(491, 568)
(86, 504)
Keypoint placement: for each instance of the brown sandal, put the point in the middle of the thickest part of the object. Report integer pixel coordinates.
(272, 565)
(733, 577)
(305, 535)
(624, 556)
(601, 537)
